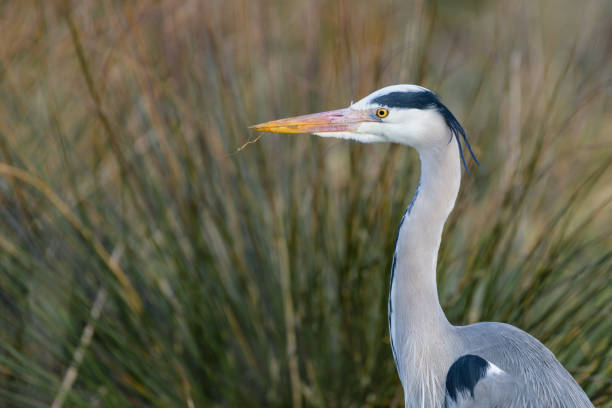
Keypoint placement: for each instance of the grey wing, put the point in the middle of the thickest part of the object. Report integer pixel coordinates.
(527, 360)
(473, 382)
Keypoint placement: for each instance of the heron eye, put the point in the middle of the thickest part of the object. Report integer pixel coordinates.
(382, 112)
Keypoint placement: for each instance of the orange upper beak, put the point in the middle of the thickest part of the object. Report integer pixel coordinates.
(341, 120)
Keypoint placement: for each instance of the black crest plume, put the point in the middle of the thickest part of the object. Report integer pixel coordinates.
(428, 100)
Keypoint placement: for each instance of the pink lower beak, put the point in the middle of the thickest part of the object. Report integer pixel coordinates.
(340, 120)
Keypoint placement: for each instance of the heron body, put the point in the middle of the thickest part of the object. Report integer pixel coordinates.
(479, 365)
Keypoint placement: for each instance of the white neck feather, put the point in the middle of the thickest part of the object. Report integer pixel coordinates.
(418, 325)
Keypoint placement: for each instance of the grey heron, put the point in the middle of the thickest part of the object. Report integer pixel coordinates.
(484, 364)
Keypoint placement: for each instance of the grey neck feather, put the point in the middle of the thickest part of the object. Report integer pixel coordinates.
(418, 324)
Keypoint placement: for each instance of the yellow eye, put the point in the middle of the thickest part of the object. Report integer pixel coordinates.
(382, 112)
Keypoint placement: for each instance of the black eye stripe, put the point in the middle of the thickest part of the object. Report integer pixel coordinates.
(408, 100)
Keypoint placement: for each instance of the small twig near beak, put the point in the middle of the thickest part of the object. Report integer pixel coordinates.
(248, 142)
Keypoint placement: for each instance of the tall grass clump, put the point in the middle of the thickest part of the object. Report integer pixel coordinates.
(144, 262)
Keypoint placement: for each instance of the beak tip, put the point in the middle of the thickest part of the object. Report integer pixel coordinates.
(260, 126)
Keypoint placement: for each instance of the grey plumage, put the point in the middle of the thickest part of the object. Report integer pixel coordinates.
(532, 374)
(520, 371)
(424, 343)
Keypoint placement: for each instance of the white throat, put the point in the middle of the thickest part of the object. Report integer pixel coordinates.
(417, 323)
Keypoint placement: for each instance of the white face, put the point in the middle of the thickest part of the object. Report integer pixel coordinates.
(414, 127)
(398, 114)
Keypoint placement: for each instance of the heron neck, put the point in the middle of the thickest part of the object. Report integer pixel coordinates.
(414, 290)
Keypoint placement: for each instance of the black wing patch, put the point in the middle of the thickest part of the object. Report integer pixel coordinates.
(464, 374)
(473, 382)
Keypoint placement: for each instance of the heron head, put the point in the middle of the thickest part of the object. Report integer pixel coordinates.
(405, 114)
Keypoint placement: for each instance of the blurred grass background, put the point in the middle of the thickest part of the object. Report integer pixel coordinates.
(144, 263)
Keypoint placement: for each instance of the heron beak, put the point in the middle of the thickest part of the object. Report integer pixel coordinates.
(341, 120)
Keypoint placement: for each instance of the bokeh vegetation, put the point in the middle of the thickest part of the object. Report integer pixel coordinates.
(143, 262)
